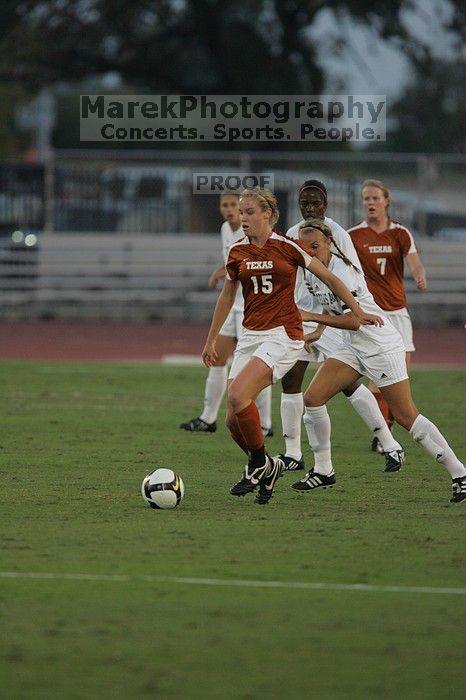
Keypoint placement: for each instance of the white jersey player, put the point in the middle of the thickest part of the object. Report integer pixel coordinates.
(375, 352)
(320, 343)
(306, 300)
(233, 325)
(369, 341)
(231, 331)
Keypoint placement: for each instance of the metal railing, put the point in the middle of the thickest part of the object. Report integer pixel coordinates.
(151, 191)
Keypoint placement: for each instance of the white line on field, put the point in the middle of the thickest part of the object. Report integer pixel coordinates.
(303, 585)
(181, 360)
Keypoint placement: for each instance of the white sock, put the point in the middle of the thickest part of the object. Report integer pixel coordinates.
(318, 430)
(264, 406)
(291, 412)
(365, 403)
(432, 440)
(215, 387)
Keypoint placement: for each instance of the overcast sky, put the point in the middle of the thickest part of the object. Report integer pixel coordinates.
(371, 65)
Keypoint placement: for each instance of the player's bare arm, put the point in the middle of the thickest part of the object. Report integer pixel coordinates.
(417, 270)
(348, 321)
(222, 309)
(316, 333)
(310, 338)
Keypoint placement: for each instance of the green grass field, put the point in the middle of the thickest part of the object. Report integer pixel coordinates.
(76, 441)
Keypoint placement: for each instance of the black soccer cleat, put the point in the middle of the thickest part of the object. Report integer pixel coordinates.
(313, 480)
(243, 486)
(394, 460)
(376, 446)
(267, 432)
(250, 479)
(267, 482)
(459, 490)
(197, 425)
(290, 464)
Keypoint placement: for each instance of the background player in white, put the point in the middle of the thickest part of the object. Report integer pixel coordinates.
(383, 246)
(377, 353)
(216, 382)
(312, 200)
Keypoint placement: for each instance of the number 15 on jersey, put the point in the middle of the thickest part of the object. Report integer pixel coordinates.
(262, 284)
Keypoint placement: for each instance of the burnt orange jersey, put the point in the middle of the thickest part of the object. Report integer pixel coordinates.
(382, 259)
(267, 276)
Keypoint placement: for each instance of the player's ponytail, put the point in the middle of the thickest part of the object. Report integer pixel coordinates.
(341, 255)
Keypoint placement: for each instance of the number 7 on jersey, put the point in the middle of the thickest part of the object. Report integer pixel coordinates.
(382, 262)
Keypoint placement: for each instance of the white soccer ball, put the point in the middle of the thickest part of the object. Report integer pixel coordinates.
(162, 489)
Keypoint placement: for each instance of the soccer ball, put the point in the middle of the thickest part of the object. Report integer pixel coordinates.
(162, 489)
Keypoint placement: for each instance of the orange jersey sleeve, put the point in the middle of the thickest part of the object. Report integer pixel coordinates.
(267, 276)
(382, 259)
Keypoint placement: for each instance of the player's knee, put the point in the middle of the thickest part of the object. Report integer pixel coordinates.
(291, 385)
(220, 362)
(235, 398)
(403, 417)
(349, 390)
(313, 398)
(293, 380)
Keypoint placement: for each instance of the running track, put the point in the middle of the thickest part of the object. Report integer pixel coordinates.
(109, 341)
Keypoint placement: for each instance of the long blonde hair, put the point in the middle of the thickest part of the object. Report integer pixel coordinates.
(266, 200)
(327, 232)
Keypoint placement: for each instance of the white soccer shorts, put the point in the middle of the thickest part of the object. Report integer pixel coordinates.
(383, 369)
(273, 346)
(402, 322)
(330, 340)
(233, 325)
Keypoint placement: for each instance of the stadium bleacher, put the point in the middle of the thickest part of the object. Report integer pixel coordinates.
(164, 277)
